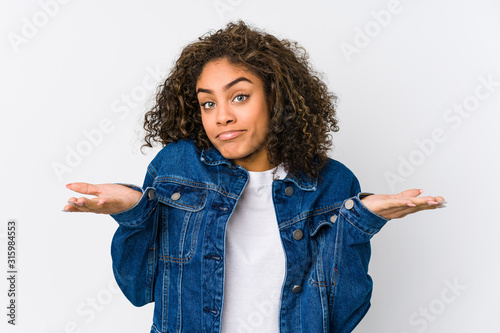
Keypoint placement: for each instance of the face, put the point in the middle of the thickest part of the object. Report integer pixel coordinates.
(235, 113)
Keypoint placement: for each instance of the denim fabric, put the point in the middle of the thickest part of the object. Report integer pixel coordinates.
(169, 247)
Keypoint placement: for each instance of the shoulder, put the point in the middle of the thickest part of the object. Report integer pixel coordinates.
(336, 174)
(334, 168)
(175, 155)
(174, 151)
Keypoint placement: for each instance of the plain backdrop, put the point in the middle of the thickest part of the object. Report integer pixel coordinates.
(419, 94)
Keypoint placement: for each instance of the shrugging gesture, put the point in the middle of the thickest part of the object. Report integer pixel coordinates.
(110, 198)
(393, 206)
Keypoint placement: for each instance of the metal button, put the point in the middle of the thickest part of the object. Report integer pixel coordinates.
(176, 196)
(349, 204)
(298, 234)
(296, 289)
(333, 218)
(151, 194)
(289, 191)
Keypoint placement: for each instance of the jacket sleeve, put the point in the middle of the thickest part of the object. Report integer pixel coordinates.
(134, 246)
(354, 285)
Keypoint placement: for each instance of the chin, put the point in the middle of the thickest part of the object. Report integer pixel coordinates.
(234, 156)
(231, 153)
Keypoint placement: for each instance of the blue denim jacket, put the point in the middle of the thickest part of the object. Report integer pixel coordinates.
(169, 247)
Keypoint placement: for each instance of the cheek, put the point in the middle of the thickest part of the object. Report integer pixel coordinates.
(264, 122)
(204, 122)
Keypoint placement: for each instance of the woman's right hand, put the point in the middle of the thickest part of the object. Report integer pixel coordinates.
(110, 198)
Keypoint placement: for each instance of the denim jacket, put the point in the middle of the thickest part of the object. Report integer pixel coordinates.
(169, 247)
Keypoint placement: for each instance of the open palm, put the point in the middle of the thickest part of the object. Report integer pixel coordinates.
(109, 198)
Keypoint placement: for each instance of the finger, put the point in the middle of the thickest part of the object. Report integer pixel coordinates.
(428, 206)
(432, 199)
(85, 202)
(411, 202)
(69, 208)
(94, 205)
(441, 200)
(427, 200)
(84, 188)
(399, 208)
(73, 201)
(74, 208)
(422, 208)
(398, 212)
(404, 211)
(76, 202)
(404, 203)
(410, 193)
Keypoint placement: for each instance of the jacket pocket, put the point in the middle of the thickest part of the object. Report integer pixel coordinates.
(325, 240)
(182, 213)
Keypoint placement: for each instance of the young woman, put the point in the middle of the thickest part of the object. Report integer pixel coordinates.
(243, 224)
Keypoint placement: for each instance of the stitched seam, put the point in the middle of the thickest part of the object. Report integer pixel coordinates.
(179, 299)
(164, 308)
(185, 227)
(318, 283)
(166, 277)
(151, 171)
(150, 268)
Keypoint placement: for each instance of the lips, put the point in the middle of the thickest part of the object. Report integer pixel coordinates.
(228, 135)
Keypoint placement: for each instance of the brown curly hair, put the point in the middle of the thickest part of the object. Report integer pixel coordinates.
(302, 108)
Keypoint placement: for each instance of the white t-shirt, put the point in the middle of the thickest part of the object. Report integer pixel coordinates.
(255, 261)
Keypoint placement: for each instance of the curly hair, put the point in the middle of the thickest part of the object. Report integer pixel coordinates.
(302, 109)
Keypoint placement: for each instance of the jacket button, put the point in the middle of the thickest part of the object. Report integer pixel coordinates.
(176, 196)
(289, 191)
(349, 204)
(298, 234)
(296, 289)
(151, 194)
(333, 218)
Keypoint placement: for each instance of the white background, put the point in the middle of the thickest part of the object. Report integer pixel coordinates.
(67, 69)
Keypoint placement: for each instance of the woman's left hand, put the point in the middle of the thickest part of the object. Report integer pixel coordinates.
(393, 206)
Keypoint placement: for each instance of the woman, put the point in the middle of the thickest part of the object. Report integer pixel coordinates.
(243, 224)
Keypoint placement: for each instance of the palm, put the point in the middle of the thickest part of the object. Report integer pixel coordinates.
(392, 206)
(109, 198)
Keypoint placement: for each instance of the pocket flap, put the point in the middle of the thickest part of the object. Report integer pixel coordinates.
(181, 196)
(322, 220)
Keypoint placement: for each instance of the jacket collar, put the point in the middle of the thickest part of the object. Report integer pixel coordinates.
(212, 157)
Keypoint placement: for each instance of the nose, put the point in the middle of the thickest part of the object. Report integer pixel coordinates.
(225, 114)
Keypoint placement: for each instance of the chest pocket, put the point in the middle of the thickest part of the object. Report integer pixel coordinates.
(182, 214)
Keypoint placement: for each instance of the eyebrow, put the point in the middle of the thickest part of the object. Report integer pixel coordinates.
(226, 87)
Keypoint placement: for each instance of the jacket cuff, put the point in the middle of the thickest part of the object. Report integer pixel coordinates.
(132, 186)
(137, 214)
(359, 215)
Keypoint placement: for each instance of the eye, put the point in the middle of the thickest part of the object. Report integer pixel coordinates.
(207, 105)
(240, 98)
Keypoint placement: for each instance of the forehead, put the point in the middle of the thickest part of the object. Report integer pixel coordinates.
(219, 71)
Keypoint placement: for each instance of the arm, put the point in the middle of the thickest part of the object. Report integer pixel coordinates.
(362, 217)
(352, 283)
(134, 246)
